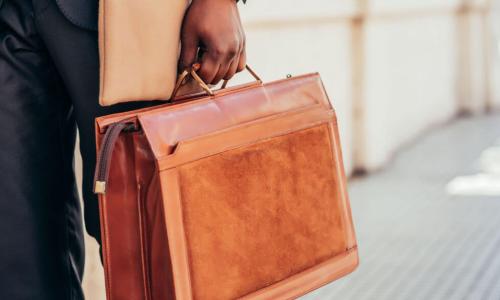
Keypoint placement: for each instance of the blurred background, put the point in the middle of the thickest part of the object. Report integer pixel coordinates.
(416, 88)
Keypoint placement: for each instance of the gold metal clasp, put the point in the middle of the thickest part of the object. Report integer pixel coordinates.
(100, 187)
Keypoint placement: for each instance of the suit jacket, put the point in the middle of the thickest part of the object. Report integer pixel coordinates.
(82, 13)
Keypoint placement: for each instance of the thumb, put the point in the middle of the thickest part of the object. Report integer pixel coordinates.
(189, 51)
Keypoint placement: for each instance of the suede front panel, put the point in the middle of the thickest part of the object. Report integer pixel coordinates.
(258, 214)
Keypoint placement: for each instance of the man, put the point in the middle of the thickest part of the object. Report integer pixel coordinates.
(49, 87)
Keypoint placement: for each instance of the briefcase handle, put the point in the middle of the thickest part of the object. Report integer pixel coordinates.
(192, 72)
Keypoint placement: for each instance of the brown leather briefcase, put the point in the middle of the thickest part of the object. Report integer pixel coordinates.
(234, 194)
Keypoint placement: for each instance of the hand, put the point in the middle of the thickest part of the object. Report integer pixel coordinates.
(212, 31)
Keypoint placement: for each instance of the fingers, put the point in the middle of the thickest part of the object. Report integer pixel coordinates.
(223, 68)
(238, 64)
(222, 60)
(189, 50)
(215, 65)
(232, 68)
(215, 25)
(242, 63)
(210, 65)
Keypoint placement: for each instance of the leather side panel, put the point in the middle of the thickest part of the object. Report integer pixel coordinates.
(120, 226)
(155, 252)
(340, 173)
(175, 230)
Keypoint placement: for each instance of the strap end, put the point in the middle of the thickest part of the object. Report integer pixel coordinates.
(100, 187)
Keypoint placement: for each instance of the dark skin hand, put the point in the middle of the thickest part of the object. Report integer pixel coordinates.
(213, 32)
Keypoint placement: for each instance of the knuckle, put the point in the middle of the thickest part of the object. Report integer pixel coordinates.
(185, 62)
(203, 31)
(241, 66)
(226, 51)
(219, 51)
(204, 74)
(215, 80)
(232, 51)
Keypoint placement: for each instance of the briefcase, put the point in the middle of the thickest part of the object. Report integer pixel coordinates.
(238, 193)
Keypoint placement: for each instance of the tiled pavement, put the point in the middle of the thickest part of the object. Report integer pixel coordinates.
(422, 232)
(416, 239)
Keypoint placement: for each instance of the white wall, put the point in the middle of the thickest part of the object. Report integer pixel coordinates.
(409, 82)
(392, 68)
(410, 74)
(494, 54)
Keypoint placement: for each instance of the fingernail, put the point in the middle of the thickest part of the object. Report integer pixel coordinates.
(196, 66)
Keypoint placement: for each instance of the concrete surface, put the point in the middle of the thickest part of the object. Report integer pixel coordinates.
(428, 226)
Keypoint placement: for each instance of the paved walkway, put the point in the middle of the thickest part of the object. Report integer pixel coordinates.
(424, 233)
